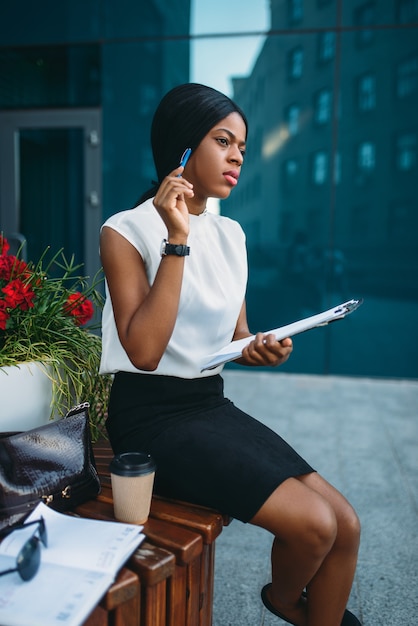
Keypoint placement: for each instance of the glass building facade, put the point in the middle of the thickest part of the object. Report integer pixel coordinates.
(328, 195)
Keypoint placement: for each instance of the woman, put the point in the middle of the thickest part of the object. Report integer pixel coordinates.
(171, 304)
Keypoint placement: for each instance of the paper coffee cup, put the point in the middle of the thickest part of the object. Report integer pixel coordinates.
(132, 475)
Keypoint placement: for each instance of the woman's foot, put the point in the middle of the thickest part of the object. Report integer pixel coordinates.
(295, 616)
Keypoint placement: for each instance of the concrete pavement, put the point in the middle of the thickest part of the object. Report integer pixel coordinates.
(362, 436)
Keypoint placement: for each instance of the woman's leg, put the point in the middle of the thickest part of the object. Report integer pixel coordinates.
(316, 544)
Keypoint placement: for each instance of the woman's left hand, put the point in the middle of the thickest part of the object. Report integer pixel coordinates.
(266, 350)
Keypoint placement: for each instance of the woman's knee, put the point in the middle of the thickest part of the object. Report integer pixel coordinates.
(348, 536)
(349, 528)
(320, 528)
(299, 516)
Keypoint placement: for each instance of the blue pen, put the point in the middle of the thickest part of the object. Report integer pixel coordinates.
(184, 159)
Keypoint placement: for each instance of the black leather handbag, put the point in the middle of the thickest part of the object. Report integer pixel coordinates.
(53, 464)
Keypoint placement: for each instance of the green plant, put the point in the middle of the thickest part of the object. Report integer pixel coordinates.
(42, 318)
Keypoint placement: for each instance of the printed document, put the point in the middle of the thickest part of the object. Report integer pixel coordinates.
(77, 567)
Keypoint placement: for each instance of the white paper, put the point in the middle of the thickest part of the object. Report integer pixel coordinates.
(234, 350)
(78, 566)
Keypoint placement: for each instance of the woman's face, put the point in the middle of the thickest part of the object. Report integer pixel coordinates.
(215, 165)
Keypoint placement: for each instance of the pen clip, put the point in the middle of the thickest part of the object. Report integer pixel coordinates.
(184, 158)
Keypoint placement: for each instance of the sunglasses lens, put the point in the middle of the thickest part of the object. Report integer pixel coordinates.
(29, 559)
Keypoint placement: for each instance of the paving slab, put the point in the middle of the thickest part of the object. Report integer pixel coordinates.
(362, 435)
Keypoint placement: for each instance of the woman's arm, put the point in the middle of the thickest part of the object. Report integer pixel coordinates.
(145, 315)
(263, 349)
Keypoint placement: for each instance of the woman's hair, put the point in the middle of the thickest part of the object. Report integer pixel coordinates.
(183, 118)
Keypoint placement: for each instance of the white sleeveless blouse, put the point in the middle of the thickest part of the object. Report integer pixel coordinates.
(213, 289)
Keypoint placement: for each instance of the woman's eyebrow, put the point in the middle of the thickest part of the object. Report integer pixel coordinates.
(231, 134)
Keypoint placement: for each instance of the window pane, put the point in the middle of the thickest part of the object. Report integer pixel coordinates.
(295, 63)
(50, 22)
(292, 116)
(57, 76)
(295, 11)
(406, 157)
(407, 77)
(407, 11)
(366, 92)
(51, 185)
(326, 46)
(322, 104)
(366, 159)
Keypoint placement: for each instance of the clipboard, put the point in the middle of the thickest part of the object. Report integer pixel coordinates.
(234, 350)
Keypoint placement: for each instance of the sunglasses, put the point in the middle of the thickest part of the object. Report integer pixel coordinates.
(29, 557)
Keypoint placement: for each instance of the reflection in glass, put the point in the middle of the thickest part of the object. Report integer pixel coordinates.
(295, 11)
(326, 46)
(327, 186)
(407, 77)
(322, 106)
(293, 113)
(51, 190)
(366, 159)
(406, 151)
(320, 168)
(53, 76)
(364, 16)
(328, 196)
(407, 11)
(295, 63)
(366, 92)
(400, 218)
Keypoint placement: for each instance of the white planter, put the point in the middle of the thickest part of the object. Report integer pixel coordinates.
(25, 396)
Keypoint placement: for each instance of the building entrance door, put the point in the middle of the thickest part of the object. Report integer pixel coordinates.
(50, 183)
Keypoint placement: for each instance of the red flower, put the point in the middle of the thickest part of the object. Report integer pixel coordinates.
(18, 295)
(4, 267)
(80, 307)
(11, 267)
(4, 316)
(4, 245)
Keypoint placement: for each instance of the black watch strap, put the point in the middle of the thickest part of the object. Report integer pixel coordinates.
(174, 248)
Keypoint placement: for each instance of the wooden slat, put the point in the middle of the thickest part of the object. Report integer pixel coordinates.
(185, 530)
(152, 564)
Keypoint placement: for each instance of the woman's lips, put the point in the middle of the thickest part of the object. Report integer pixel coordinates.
(231, 177)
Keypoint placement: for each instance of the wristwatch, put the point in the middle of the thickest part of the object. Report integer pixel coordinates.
(173, 248)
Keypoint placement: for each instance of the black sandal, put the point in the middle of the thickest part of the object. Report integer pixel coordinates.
(349, 619)
(270, 607)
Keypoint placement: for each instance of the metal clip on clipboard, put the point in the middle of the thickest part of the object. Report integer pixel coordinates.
(340, 312)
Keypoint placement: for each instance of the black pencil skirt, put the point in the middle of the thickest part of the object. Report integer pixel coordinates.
(207, 451)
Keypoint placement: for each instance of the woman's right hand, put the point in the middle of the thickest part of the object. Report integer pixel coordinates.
(171, 205)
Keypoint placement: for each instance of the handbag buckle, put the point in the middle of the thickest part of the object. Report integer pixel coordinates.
(47, 499)
(66, 492)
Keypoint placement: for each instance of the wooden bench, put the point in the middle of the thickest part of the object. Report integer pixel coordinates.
(120, 605)
(174, 566)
